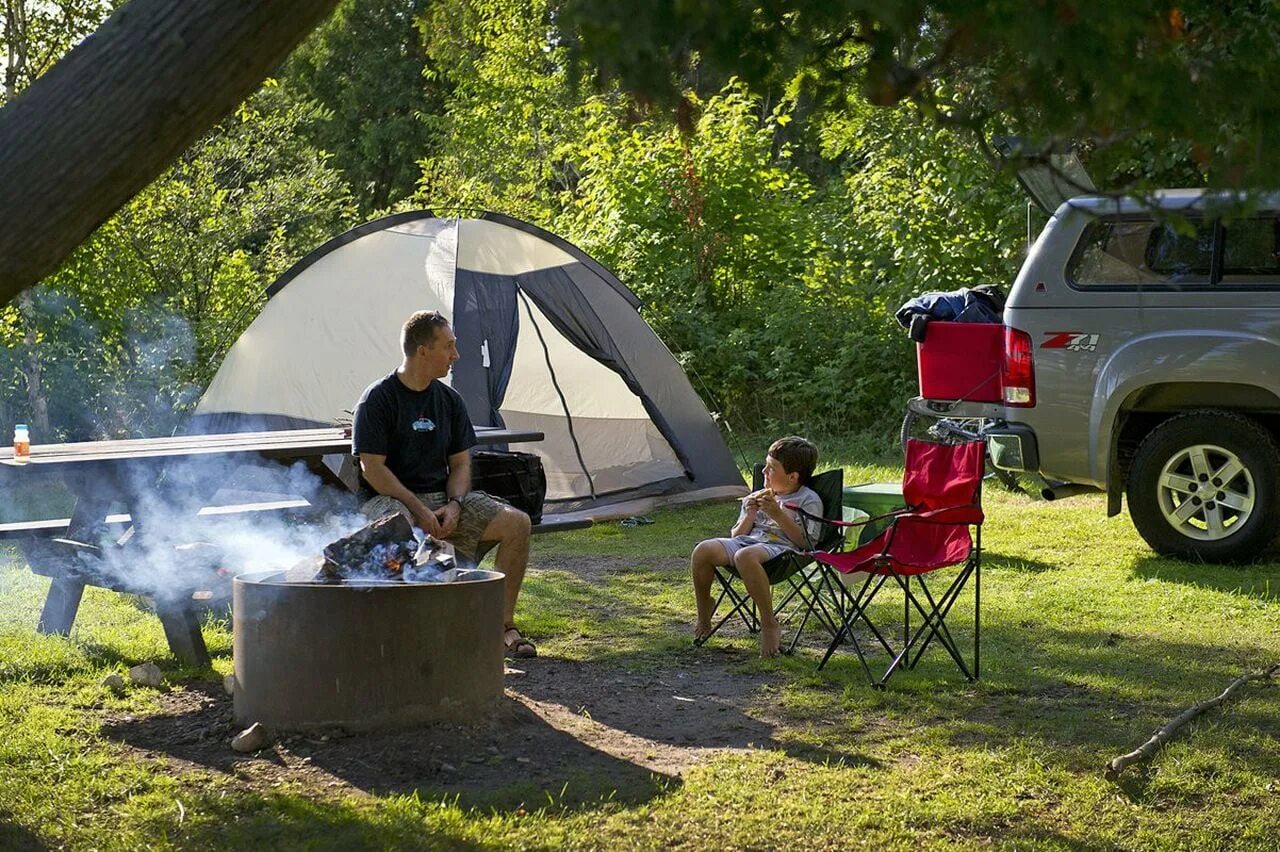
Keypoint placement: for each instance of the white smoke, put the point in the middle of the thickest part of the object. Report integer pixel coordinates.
(206, 520)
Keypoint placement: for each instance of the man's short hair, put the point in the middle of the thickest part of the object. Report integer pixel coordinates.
(796, 455)
(420, 330)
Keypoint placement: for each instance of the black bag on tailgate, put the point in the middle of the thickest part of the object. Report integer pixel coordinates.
(517, 478)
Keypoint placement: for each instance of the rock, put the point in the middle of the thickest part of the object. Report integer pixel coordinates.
(113, 681)
(229, 684)
(253, 738)
(147, 674)
(510, 672)
(448, 767)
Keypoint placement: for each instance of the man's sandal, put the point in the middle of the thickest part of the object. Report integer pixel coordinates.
(517, 645)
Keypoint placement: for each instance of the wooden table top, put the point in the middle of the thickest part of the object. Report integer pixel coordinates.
(291, 443)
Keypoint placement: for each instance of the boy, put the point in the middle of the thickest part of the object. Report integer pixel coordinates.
(766, 528)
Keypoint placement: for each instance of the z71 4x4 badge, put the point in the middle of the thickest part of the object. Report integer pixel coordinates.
(1076, 341)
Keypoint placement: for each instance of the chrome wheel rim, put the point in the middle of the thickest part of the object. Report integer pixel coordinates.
(1206, 493)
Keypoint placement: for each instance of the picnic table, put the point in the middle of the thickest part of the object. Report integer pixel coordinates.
(156, 481)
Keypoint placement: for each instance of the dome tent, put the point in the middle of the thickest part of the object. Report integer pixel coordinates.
(549, 340)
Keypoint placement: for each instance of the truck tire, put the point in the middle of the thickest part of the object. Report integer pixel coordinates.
(1203, 486)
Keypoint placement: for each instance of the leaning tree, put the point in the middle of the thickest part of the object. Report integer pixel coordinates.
(108, 118)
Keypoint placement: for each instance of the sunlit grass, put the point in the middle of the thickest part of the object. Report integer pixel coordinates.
(1089, 643)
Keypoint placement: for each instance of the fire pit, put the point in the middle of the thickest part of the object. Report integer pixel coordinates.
(366, 655)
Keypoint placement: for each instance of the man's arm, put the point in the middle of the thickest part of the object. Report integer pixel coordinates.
(459, 475)
(377, 474)
(455, 489)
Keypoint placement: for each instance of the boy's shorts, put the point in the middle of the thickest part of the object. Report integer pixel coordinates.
(733, 545)
(478, 510)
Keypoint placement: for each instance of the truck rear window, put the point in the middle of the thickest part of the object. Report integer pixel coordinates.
(1122, 252)
(1250, 253)
(1133, 252)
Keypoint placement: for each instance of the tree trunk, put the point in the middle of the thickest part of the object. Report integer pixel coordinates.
(108, 118)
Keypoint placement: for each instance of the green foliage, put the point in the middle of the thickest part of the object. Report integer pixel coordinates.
(512, 120)
(767, 240)
(777, 293)
(34, 34)
(1119, 78)
(368, 70)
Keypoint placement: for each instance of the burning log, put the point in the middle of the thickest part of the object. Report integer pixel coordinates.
(380, 549)
(384, 550)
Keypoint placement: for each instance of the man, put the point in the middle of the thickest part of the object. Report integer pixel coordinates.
(411, 433)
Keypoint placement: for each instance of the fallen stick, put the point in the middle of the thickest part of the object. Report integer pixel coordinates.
(1148, 749)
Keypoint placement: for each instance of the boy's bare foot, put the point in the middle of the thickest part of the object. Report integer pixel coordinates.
(770, 640)
(702, 629)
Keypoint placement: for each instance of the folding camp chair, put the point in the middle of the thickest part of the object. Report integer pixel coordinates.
(942, 489)
(804, 588)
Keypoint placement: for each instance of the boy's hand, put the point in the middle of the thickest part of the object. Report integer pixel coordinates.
(772, 508)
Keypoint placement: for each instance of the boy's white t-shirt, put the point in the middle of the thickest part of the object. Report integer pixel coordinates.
(766, 530)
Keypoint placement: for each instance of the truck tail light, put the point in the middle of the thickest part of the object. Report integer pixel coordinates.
(1017, 369)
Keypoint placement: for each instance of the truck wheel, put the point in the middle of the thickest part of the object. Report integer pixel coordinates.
(1203, 486)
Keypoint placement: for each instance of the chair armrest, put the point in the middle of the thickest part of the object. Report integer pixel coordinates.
(835, 523)
(967, 514)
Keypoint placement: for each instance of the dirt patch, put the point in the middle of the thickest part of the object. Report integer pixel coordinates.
(595, 569)
(567, 733)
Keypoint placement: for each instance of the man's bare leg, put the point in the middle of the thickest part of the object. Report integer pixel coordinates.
(510, 529)
(750, 564)
(702, 566)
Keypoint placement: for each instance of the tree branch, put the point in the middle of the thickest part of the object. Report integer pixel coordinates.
(1148, 749)
(114, 112)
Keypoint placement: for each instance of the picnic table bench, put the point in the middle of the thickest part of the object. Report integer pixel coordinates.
(160, 481)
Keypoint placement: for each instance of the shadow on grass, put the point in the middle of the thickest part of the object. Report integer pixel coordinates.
(1257, 581)
(279, 820)
(1091, 694)
(514, 758)
(569, 736)
(1021, 564)
(16, 838)
(1088, 691)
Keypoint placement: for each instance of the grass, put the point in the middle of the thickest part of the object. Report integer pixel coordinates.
(1089, 643)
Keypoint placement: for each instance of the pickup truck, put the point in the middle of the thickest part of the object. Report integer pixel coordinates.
(1141, 358)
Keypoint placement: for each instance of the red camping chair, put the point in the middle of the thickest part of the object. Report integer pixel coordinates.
(942, 488)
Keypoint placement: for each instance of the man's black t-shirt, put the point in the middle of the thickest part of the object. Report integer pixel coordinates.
(416, 430)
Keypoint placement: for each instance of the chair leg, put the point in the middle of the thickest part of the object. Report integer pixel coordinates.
(856, 611)
(936, 625)
(977, 604)
(934, 622)
(815, 605)
(941, 608)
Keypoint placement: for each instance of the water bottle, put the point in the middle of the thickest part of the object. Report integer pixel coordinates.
(21, 444)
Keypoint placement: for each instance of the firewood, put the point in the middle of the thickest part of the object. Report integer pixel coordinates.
(353, 553)
(1148, 749)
